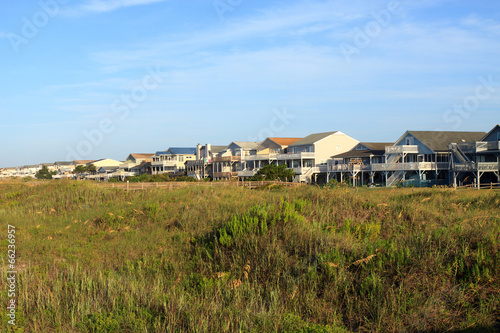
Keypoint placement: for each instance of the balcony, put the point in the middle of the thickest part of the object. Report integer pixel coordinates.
(227, 159)
(247, 173)
(347, 167)
(310, 170)
(481, 166)
(410, 166)
(196, 163)
(296, 156)
(225, 174)
(478, 147)
(408, 149)
(164, 163)
(262, 157)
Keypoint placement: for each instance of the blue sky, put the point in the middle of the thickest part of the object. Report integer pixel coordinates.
(94, 79)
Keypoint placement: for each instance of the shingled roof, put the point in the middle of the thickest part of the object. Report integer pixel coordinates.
(178, 151)
(439, 140)
(285, 141)
(310, 139)
(217, 149)
(245, 144)
(141, 155)
(375, 149)
(492, 130)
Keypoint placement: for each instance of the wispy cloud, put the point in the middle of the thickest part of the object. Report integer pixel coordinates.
(25, 125)
(5, 34)
(482, 24)
(101, 6)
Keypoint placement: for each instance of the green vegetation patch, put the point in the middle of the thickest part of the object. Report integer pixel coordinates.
(226, 259)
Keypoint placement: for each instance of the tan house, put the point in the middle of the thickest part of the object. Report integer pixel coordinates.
(8, 172)
(265, 153)
(138, 158)
(309, 156)
(105, 162)
(172, 160)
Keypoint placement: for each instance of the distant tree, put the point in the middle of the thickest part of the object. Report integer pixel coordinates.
(44, 173)
(274, 172)
(91, 168)
(80, 169)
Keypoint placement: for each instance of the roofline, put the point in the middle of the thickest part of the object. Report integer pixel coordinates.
(484, 137)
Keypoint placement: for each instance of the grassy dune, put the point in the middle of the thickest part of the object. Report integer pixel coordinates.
(203, 259)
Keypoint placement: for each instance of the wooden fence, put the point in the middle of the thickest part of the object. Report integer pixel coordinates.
(176, 185)
(481, 186)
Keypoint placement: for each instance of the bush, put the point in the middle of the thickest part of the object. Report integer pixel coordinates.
(274, 172)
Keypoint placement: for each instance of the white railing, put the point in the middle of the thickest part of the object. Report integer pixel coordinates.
(164, 163)
(247, 173)
(352, 167)
(321, 168)
(464, 167)
(262, 157)
(298, 171)
(411, 149)
(473, 166)
(296, 156)
(479, 146)
(486, 166)
(410, 166)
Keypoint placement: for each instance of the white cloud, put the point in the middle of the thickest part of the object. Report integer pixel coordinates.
(482, 24)
(101, 6)
(5, 35)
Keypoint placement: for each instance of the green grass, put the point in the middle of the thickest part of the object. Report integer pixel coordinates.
(217, 259)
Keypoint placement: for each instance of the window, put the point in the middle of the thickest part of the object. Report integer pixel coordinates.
(339, 147)
(295, 150)
(498, 136)
(409, 141)
(307, 149)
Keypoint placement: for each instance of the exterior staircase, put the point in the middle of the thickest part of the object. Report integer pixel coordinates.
(459, 154)
(395, 177)
(393, 158)
(306, 177)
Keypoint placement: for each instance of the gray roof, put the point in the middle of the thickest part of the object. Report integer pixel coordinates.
(310, 139)
(439, 140)
(217, 149)
(376, 145)
(108, 169)
(492, 130)
(245, 144)
(376, 149)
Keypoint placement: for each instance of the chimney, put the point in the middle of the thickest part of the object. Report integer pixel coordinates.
(208, 150)
(198, 148)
